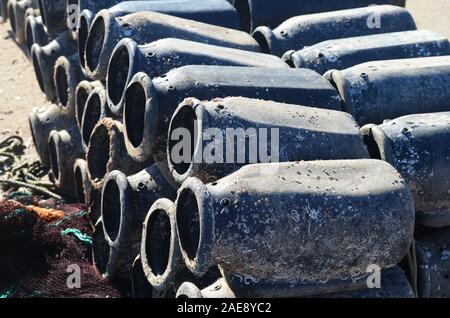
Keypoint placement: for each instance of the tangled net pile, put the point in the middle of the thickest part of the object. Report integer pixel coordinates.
(38, 247)
(41, 239)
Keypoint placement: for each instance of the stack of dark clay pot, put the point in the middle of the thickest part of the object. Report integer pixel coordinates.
(248, 148)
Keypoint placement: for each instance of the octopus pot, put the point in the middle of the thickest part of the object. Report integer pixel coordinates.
(106, 152)
(343, 53)
(149, 105)
(84, 89)
(17, 16)
(375, 91)
(201, 143)
(64, 148)
(417, 146)
(125, 203)
(67, 75)
(164, 55)
(42, 121)
(44, 59)
(94, 110)
(161, 260)
(255, 13)
(320, 220)
(34, 33)
(145, 27)
(306, 30)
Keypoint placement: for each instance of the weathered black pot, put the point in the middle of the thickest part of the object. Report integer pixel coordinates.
(417, 146)
(161, 260)
(74, 8)
(164, 55)
(16, 13)
(64, 148)
(95, 109)
(343, 53)
(306, 30)
(146, 27)
(228, 16)
(67, 75)
(42, 121)
(323, 224)
(34, 33)
(394, 284)
(107, 152)
(216, 12)
(433, 252)
(271, 13)
(275, 132)
(125, 203)
(160, 249)
(375, 91)
(83, 91)
(53, 14)
(44, 59)
(83, 187)
(149, 105)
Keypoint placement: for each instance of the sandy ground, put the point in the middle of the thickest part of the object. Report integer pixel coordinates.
(19, 91)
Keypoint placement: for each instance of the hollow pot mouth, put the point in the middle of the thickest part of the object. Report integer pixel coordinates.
(160, 253)
(195, 224)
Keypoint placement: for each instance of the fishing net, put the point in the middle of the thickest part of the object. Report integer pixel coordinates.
(43, 248)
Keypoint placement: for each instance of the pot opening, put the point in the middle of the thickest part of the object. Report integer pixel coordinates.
(81, 98)
(111, 209)
(289, 62)
(54, 162)
(98, 153)
(29, 36)
(243, 8)
(157, 241)
(118, 70)
(83, 31)
(185, 118)
(134, 114)
(37, 70)
(262, 41)
(94, 45)
(62, 85)
(188, 222)
(372, 147)
(91, 116)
